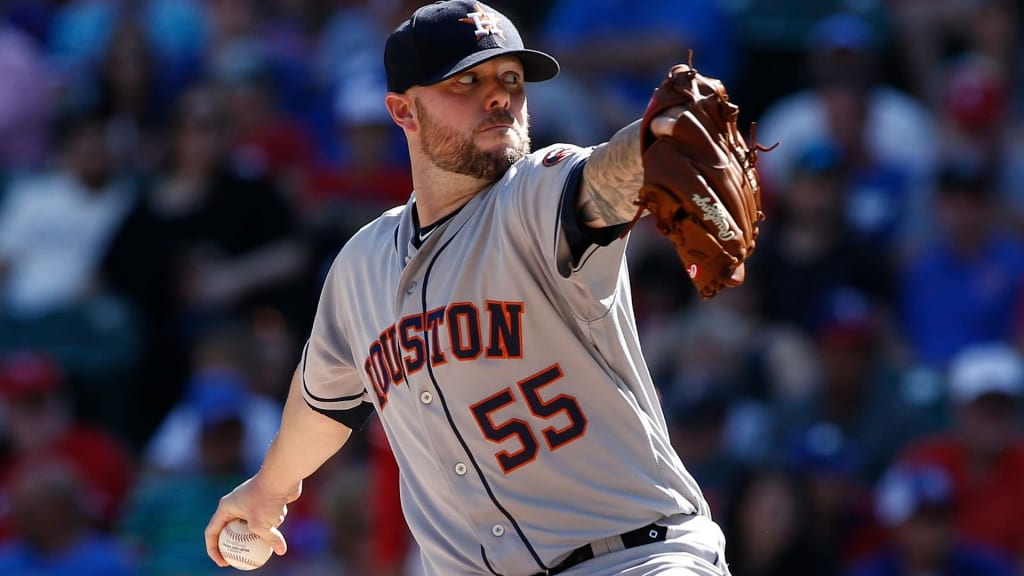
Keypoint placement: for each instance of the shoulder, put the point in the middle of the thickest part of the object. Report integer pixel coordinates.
(542, 169)
(556, 155)
(539, 179)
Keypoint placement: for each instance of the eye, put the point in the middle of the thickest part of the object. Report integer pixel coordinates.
(511, 78)
(466, 79)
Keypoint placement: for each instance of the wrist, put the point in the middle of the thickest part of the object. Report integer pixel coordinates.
(277, 486)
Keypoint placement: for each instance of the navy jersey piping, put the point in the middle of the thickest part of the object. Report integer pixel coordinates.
(580, 238)
(305, 351)
(451, 421)
(354, 418)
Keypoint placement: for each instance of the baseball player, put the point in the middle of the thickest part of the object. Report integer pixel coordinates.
(489, 325)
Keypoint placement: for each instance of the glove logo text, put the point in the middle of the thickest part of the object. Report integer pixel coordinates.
(716, 214)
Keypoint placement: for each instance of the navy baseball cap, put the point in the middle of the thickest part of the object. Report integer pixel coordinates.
(445, 38)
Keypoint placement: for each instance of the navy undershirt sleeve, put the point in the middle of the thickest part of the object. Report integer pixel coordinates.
(354, 418)
(579, 236)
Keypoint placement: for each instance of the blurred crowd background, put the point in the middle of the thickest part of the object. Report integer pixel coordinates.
(176, 176)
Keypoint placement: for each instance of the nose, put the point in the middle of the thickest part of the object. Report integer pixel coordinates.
(498, 96)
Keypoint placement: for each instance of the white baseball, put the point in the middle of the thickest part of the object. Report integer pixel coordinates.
(241, 548)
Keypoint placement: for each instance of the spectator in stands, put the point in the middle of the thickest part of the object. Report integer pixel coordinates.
(179, 38)
(26, 98)
(54, 228)
(220, 364)
(589, 36)
(983, 453)
(916, 504)
(767, 531)
(54, 231)
(886, 138)
(206, 243)
(39, 425)
(76, 37)
(963, 287)
(165, 510)
(212, 235)
(807, 248)
(697, 411)
(929, 31)
(132, 100)
(976, 116)
(233, 237)
(265, 141)
(862, 390)
(339, 198)
(53, 535)
(347, 61)
(827, 465)
(344, 522)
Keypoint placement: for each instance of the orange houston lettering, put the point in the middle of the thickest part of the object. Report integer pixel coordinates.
(464, 330)
(506, 338)
(404, 348)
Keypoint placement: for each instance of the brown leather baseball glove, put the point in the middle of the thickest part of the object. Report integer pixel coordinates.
(701, 184)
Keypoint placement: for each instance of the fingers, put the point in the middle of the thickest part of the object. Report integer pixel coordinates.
(212, 535)
(270, 532)
(276, 541)
(264, 515)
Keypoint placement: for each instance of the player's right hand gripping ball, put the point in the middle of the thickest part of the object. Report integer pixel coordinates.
(241, 547)
(701, 184)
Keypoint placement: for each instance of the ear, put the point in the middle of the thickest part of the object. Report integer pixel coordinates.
(400, 108)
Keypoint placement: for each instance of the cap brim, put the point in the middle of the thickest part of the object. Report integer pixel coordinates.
(537, 66)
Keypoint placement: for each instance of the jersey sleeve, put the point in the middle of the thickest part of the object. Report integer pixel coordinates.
(330, 380)
(591, 261)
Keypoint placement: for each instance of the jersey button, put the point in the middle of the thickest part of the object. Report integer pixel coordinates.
(460, 469)
(498, 530)
(411, 288)
(408, 259)
(426, 397)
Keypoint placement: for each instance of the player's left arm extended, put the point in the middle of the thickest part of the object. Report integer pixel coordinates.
(615, 172)
(611, 180)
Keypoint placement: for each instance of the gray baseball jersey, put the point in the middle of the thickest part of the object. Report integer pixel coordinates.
(507, 375)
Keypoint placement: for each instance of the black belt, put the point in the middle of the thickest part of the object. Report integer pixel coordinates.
(646, 535)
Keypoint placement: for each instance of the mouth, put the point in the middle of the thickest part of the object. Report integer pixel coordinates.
(492, 127)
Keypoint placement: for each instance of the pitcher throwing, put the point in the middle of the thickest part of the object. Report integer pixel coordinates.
(488, 322)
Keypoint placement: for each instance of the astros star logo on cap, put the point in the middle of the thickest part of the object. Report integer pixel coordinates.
(485, 22)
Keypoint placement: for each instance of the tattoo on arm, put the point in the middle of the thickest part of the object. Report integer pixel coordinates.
(611, 180)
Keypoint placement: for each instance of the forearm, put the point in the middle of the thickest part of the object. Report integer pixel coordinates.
(611, 180)
(305, 441)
